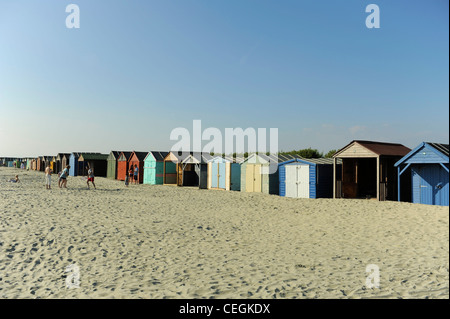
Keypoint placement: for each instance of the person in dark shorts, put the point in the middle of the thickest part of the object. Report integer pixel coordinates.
(136, 172)
(63, 177)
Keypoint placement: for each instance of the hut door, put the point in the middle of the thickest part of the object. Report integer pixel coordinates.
(179, 174)
(303, 181)
(215, 175)
(150, 172)
(253, 178)
(235, 177)
(297, 181)
(221, 175)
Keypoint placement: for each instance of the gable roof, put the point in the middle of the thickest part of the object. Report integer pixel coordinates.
(114, 154)
(126, 155)
(377, 148)
(140, 155)
(441, 150)
(157, 155)
(197, 157)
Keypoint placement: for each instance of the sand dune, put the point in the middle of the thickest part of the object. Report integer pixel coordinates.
(169, 242)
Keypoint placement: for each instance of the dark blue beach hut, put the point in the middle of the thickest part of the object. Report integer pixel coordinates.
(307, 178)
(428, 165)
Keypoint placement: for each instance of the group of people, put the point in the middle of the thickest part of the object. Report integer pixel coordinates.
(62, 177)
(133, 172)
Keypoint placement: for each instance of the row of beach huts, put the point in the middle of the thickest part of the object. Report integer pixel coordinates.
(361, 169)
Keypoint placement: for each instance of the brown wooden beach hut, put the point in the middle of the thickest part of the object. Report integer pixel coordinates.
(137, 159)
(173, 170)
(122, 165)
(367, 170)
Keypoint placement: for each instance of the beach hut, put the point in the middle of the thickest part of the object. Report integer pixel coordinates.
(154, 168)
(122, 165)
(137, 159)
(195, 170)
(172, 169)
(428, 168)
(259, 173)
(96, 161)
(75, 165)
(306, 178)
(40, 163)
(367, 170)
(48, 161)
(224, 173)
(111, 171)
(62, 160)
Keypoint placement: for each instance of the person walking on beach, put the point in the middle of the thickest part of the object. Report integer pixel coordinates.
(90, 177)
(48, 177)
(63, 177)
(136, 172)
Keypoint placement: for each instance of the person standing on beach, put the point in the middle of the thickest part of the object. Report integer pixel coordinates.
(127, 179)
(48, 177)
(136, 172)
(130, 172)
(63, 177)
(90, 177)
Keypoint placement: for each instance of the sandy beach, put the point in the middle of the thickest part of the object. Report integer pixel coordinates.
(147, 241)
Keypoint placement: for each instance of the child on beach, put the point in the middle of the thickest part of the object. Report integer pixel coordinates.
(126, 180)
(90, 178)
(63, 177)
(14, 180)
(48, 177)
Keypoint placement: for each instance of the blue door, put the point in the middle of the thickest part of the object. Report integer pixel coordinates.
(430, 185)
(442, 190)
(235, 177)
(221, 175)
(214, 177)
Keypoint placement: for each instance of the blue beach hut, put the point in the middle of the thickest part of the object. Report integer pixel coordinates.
(428, 165)
(307, 178)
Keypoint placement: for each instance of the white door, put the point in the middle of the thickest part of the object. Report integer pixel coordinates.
(297, 181)
(291, 181)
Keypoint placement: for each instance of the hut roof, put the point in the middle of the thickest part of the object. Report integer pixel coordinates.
(378, 148)
(93, 157)
(313, 160)
(197, 157)
(126, 154)
(140, 155)
(159, 156)
(443, 148)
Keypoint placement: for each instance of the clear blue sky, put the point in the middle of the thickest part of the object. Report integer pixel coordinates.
(135, 70)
